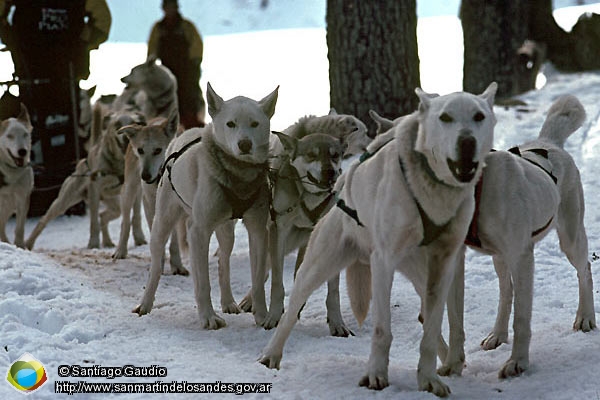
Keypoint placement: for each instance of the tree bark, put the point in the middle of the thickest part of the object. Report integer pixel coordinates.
(373, 57)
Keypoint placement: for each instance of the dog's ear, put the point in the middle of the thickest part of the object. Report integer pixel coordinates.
(23, 117)
(383, 124)
(172, 124)
(425, 99)
(290, 144)
(151, 59)
(268, 103)
(215, 102)
(129, 130)
(91, 91)
(332, 111)
(490, 93)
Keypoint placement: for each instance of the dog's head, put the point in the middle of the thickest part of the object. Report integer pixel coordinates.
(114, 121)
(316, 157)
(241, 125)
(352, 132)
(148, 75)
(149, 143)
(456, 133)
(15, 139)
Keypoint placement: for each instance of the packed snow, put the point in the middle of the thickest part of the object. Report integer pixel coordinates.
(67, 305)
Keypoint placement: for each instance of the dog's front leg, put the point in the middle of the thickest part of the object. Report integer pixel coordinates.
(199, 238)
(226, 236)
(277, 235)
(255, 221)
(337, 326)
(130, 190)
(521, 268)
(21, 217)
(136, 223)
(454, 361)
(382, 279)
(499, 334)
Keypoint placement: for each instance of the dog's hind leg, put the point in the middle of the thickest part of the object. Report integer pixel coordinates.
(574, 243)
(521, 268)
(71, 193)
(5, 213)
(337, 326)
(324, 259)
(94, 206)
(499, 334)
(21, 217)
(177, 267)
(111, 212)
(226, 237)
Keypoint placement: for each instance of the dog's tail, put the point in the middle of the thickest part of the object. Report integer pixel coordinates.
(97, 122)
(565, 116)
(358, 281)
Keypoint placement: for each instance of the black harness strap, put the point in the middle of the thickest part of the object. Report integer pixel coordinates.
(174, 156)
(238, 205)
(2, 180)
(540, 152)
(352, 213)
(315, 214)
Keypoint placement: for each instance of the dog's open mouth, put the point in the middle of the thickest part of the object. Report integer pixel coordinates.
(463, 170)
(320, 184)
(19, 161)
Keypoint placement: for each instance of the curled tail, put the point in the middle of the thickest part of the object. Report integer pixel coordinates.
(358, 281)
(97, 122)
(565, 116)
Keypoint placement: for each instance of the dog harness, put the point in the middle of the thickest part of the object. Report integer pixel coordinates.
(472, 238)
(2, 181)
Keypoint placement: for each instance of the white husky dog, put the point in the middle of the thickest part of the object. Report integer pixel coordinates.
(405, 208)
(219, 176)
(16, 174)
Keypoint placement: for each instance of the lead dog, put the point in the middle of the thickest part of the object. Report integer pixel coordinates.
(211, 181)
(16, 174)
(405, 208)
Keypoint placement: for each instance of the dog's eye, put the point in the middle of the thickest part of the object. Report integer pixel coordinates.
(445, 117)
(254, 124)
(141, 151)
(230, 124)
(157, 151)
(478, 117)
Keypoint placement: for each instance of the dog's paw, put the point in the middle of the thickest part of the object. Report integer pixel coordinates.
(119, 254)
(246, 303)
(108, 244)
(374, 382)
(339, 329)
(271, 320)
(513, 368)
(494, 340)
(270, 361)
(139, 241)
(433, 385)
(20, 244)
(94, 244)
(451, 369)
(212, 322)
(231, 308)
(140, 310)
(584, 324)
(179, 270)
(29, 244)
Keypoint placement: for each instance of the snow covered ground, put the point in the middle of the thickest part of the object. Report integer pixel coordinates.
(67, 305)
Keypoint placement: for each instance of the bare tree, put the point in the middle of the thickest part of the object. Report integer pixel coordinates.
(373, 57)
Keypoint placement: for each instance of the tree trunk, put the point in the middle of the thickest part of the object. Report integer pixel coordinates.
(373, 57)
(493, 31)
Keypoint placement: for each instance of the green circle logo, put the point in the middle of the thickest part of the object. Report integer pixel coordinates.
(26, 374)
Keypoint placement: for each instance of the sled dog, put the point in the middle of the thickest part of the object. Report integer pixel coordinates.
(525, 193)
(221, 177)
(97, 178)
(158, 85)
(351, 131)
(16, 174)
(143, 161)
(407, 207)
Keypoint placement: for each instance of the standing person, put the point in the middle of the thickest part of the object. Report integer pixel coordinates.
(177, 43)
(50, 41)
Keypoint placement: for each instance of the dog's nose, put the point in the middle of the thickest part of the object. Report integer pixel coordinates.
(245, 145)
(22, 152)
(146, 176)
(465, 147)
